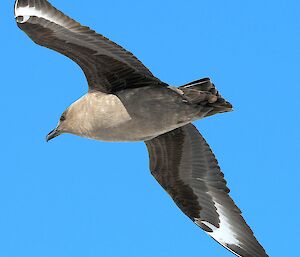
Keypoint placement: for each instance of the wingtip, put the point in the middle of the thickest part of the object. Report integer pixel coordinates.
(20, 3)
(15, 8)
(20, 17)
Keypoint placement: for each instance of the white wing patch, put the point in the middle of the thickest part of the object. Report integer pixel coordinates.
(27, 12)
(224, 234)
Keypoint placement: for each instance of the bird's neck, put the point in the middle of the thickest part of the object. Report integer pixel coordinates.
(97, 112)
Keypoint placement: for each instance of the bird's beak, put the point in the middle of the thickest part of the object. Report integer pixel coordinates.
(54, 133)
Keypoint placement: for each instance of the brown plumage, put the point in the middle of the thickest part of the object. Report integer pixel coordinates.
(126, 102)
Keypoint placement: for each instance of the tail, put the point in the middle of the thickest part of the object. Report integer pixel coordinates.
(203, 92)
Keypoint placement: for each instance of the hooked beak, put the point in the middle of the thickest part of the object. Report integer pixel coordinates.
(54, 133)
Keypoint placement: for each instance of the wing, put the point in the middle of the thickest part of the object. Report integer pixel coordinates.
(184, 165)
(107, 66)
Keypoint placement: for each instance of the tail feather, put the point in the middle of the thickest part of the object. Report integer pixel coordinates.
(203, 92)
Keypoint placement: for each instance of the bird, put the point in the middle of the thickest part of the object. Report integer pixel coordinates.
(125, 102)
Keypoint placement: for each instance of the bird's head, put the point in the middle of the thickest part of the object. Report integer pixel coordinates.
(76, 119)
(70, 122)
(62, 126)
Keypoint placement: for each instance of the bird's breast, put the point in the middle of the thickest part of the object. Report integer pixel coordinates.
(104, 115)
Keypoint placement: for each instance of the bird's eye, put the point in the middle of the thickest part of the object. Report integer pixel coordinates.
(63, 117)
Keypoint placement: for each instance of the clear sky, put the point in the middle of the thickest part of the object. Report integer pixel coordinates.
(74, 197)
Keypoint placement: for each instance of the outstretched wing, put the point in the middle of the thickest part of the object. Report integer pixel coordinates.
(184, 165)
(107, 66)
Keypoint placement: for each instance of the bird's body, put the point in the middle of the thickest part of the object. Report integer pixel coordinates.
(137, 114)
(126, 102)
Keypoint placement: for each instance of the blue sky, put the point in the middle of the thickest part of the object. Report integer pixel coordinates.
(75, 197)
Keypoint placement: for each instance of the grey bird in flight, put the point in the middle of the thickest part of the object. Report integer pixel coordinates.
(126, 102)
